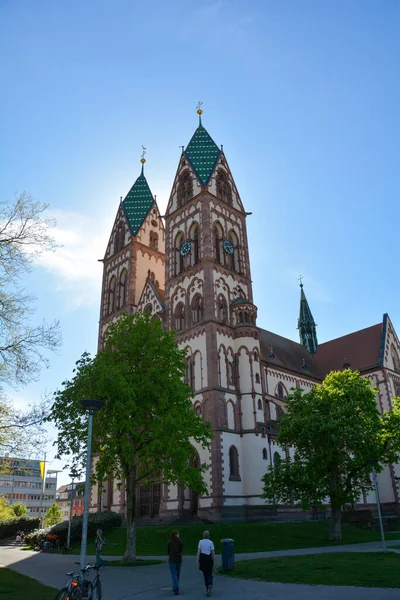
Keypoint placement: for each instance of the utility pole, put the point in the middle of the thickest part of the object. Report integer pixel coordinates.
(41, 495)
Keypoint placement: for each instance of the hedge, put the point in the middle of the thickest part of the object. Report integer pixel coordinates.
(10, 527)
(102, 520)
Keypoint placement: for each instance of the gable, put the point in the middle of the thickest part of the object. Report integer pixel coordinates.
(151, 296)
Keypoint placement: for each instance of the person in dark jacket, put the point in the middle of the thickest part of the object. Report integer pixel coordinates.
(175, 549)
(205, 560)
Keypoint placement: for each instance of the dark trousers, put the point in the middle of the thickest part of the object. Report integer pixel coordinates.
(207, 566)
(175, 570)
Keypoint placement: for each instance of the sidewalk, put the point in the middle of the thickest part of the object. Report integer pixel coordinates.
(153, 582)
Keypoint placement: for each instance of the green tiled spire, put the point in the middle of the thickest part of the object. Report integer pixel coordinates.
(138, 203)
(202, 153)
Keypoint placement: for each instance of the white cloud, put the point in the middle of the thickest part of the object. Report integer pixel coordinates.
(74, 266)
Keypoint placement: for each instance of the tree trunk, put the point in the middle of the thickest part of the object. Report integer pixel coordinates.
(130, 551)
(335, 534)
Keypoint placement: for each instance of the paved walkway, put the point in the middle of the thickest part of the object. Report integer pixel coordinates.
(153, 582)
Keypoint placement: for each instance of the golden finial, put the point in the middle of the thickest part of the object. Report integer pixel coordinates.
(143, 160)
(199, 111)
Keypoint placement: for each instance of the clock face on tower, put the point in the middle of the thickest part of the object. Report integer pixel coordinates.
(185, 248)
(227, 246)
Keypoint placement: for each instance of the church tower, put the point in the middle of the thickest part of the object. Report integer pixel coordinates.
(306, 325)
(209, 303)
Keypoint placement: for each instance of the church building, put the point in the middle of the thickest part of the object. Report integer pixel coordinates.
(191, 268)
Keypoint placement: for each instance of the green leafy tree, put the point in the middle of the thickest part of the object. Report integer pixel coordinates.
(146, 429)
(19, 509)
(53, 515)
(6, 512)
(25, 234)
(336, 433)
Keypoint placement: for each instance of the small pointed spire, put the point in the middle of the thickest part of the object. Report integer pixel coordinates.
(143, 160)
(199, 112)
(306, 324)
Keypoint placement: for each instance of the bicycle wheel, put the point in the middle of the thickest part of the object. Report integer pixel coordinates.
(97, 592)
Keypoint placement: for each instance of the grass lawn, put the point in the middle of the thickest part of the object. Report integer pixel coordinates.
(249, 537)
(363, 569)
(19, 587)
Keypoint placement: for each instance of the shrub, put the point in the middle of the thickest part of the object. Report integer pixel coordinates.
(10, 527)
(102, 520)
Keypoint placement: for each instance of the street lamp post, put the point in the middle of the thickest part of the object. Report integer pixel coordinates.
(70, 516)
(91, 406)
(378, 504)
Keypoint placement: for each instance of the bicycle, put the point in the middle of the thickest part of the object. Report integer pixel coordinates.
(80, 588)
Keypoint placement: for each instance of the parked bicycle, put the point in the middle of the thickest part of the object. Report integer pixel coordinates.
(79, 587)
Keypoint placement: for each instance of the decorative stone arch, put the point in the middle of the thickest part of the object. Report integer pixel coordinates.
(148, 308)
(179, 263)
(184, 191)
(111, 295)
(197, 408)
(122, 288)
(234, 471)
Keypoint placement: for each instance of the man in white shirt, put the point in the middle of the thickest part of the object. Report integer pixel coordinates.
(205, 560)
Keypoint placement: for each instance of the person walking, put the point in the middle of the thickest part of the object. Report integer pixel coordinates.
(175, 549)
(205, 560)
(100, 541)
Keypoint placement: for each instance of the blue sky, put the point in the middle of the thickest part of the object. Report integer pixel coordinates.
(303, 94)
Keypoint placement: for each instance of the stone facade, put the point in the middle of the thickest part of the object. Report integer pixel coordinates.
(193, 271)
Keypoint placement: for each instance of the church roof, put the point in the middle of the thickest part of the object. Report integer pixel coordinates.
(202, 153)
(361, 350)
(289, 355)
(137, 203)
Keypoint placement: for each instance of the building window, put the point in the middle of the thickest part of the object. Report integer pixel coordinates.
(281, 391)
(122, 289)
(180, 317)
(232, 260)
(189, 372)
(218, 237)
(153, 243)
(197, 309)
(185, 188)
(222, 309)
(257, 378)
(111, 297)
(224, 190)
(194, 236)
(119, 240)
(148, 309)
(178, 256)
(230, 373)
(255, 356)
(233, 463)
(259, 404)
(264, 454)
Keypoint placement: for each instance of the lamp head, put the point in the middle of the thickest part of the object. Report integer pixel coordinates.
(92, 405)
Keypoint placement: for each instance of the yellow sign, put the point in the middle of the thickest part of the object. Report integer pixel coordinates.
(43, 469)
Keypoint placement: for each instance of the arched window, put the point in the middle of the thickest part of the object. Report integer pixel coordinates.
(180, 317)
(395, 359)
(197, 309)
(178, 256)
(224, 190)
(222, 309)
(197, 409)
(240, 317)
(119, 242)
(230, 412)
(280, 391)
(233, 259)
(257, 378)
(259, 404)
(264, 454)
(122, 289)
(279, 413)
(189, 373)
(230, 378)
(185, 188)
(111, 295)
(218, 237)
(233, 463)
(148, 309)
(194, 236)
(153, 240)
(255, 356)
(277, 460)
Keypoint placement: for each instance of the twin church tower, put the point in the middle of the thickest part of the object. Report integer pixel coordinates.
(192, 270)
